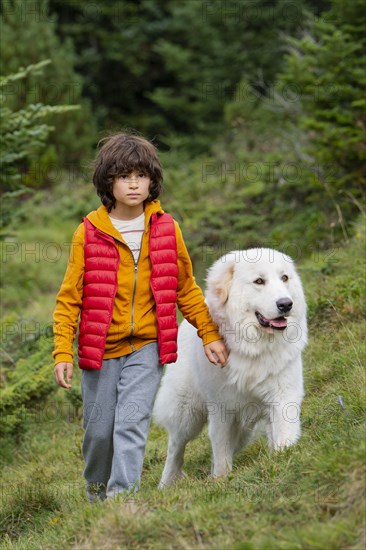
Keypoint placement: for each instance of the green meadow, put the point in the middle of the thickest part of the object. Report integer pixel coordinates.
(309, 496)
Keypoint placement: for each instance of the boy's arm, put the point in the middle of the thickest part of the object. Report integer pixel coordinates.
(190, 298)
(69, 300)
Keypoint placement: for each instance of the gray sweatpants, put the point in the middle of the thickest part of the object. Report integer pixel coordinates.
(118, 402)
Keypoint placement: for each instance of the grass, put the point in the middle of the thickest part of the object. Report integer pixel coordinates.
(311, 496)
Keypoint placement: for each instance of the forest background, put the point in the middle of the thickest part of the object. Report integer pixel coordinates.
(258, 110)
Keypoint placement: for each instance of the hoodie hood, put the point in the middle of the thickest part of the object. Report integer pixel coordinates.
(100, 218)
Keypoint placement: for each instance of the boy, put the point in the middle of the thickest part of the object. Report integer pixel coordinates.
(127, 271)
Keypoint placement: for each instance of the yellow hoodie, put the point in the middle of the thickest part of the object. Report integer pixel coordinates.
(119, 341)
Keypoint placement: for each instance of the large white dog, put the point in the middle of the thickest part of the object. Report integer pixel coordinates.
(256, 298)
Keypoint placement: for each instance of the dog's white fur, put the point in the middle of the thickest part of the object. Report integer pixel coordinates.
(262, 383)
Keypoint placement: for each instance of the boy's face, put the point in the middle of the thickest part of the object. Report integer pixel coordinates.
(132, 189)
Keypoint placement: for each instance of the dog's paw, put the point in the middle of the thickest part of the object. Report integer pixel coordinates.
(165, 483)
(283, 444)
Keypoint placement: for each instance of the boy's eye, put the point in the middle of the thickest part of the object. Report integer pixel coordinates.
(126, 176)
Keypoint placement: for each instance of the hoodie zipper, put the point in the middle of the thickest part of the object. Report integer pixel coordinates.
(133, 303)
(135, 268)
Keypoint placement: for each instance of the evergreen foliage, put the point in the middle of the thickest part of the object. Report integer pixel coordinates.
(168, 68)
(24, 132)
(26, 385)
(24, 135)
(327, 70)
(28, 35)
(289, 170)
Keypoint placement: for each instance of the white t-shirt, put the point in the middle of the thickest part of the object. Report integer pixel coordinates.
(131, 231)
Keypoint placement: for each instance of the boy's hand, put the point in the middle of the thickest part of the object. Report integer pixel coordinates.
(219, 349)
(59, 374)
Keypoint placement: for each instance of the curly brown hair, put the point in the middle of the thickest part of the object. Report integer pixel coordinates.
(120, 154)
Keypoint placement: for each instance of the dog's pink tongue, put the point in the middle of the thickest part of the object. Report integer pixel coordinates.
(279, 323)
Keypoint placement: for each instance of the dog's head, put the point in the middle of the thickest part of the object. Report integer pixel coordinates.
(255, 293)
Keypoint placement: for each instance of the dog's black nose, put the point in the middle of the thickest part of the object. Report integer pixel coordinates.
(284, 305)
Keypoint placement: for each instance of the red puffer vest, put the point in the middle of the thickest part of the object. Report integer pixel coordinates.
(100, 287)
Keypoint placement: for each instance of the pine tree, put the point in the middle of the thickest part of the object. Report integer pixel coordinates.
(24, 135)
(28, 37)
(327, 71)
(169, 67)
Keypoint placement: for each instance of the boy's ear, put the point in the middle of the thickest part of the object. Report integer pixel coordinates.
(222, 288)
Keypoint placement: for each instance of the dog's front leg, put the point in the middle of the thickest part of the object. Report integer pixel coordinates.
(222, 450)
(283, 429)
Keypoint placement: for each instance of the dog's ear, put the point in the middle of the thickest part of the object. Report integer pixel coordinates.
(222, 288)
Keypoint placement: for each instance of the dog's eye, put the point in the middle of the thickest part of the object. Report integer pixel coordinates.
(259, 281)
(284, 278)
